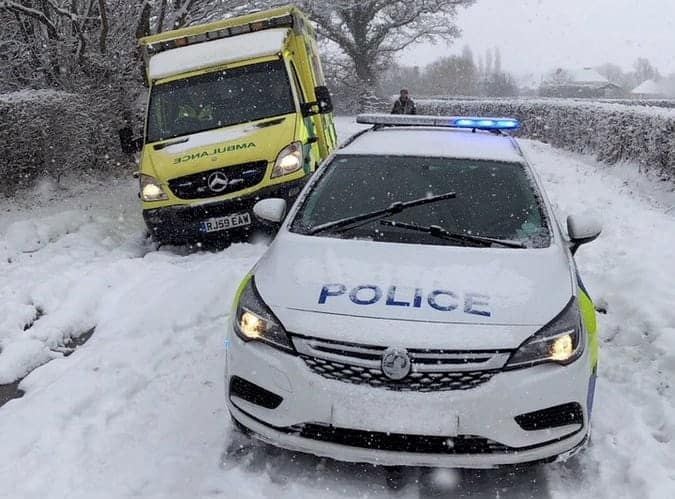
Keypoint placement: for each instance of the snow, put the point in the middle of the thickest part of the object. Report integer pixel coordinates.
(216, 52)
(649, 87)
(29, 95)
(209, 137)
(587, 76)
(139, 410)
(403, 141)
(606, 105)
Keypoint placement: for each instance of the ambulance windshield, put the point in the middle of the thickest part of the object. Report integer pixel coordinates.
(219, 99)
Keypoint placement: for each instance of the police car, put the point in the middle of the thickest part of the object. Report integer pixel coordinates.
(419, 306)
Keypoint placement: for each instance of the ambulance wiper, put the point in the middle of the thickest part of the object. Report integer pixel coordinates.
(440, 232)
(397, 207)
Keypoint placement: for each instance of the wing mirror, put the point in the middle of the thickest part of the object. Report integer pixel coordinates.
(324, 100)
(323, 104)
(129, 144)
(582, 229)
(272, 210)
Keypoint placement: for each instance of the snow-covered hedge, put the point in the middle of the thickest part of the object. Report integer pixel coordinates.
(610, 132)
(45, 133)
(667, 103)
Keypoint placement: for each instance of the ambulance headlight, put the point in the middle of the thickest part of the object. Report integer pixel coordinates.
(254, 321)
(561, 341)
(289, 160)
(151, 190)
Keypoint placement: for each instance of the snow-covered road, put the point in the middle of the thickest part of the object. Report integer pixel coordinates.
(138, 410)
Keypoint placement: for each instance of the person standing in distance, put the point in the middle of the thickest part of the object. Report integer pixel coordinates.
(404, 104)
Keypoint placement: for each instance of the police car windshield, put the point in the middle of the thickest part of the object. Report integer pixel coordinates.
(493, 199)
(219, 99)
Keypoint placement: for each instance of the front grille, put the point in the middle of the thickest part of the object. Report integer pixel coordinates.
(463, 444)
(432, 370)
(416, 381)
(237, 177)
(552, 417)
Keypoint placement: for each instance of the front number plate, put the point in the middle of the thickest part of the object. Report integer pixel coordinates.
(225, 223)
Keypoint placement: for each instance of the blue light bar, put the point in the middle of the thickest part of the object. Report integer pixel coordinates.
(485, 123)
(474, 123)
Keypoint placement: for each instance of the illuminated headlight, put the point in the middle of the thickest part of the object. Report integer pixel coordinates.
(254, 321)
(289, 160)
(560, 341)
(151, 190)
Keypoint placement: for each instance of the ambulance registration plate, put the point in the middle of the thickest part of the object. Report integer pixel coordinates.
(225, 223)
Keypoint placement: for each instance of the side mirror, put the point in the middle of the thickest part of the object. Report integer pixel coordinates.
(324, 100)
(582, 230)
(271, 210)
(127, 141)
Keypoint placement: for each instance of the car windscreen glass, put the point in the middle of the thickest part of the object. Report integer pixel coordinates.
(219, 99)
(493, 199)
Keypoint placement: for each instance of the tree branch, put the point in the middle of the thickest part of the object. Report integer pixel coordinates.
(104, 25)
(30, 12)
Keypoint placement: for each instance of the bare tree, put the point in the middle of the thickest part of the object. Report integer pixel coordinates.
(645, 71)
(370, 32)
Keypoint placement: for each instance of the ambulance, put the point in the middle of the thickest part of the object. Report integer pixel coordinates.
(238, 111)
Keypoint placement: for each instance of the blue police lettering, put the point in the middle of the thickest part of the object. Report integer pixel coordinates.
(354, 295)
(331, 290)
(448, 307)
(442, 300)
(391, 299)
(417, 302)
(476, 304)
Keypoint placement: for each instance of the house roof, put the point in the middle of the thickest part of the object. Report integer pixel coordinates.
(584, 77)
(587, 76)
(649, 87)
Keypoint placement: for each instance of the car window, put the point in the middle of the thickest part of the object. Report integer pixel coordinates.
(494, 199)
(219, 99)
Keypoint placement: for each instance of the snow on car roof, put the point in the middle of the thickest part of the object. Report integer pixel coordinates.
(216, 52)
(426, 141)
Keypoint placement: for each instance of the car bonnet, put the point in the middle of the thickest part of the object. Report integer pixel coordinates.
(374, 292)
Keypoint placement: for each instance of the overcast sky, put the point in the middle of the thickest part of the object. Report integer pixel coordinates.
(538, 35)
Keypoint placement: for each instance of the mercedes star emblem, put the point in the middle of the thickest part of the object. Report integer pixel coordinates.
(217, 182)
(396, 363)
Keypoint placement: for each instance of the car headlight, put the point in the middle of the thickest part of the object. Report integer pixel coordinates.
(254, 321)
(289, 160)
(151, 190)
(561, 341)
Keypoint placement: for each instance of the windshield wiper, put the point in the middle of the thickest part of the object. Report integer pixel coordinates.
(440, 232)
(393, 208)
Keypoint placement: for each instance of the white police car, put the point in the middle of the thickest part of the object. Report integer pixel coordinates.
(420, 305)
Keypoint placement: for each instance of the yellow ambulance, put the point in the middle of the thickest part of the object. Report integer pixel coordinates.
(238, 110)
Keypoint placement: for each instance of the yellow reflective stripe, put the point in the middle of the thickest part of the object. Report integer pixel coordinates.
(240, 290)
(590, 324)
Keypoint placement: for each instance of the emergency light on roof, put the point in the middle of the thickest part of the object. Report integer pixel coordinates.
(475, 123)
(275, 22)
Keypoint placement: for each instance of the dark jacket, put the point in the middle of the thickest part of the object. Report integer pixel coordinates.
(404, 107)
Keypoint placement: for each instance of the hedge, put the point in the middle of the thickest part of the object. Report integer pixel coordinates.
(47, 133)
(610, 132)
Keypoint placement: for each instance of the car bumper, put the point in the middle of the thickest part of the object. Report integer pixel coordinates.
(182, 224)
(393, 428)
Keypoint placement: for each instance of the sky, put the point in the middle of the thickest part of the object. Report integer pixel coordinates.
(538, 35)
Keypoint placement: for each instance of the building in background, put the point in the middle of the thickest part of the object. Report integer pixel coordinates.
(651, 89)
(585, 83)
